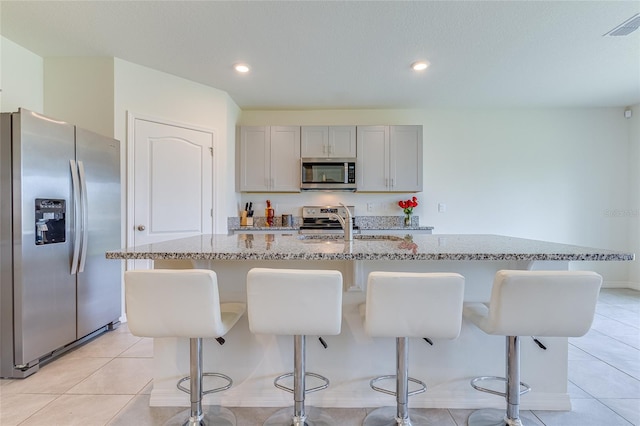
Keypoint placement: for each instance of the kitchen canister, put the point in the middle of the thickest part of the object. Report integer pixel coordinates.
(287, 220)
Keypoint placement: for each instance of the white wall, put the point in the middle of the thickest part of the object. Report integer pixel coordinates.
(148, 92)
(231, 198)
(80, 91)
(2, 41)
(97, 93)
(21, 78)
(549, 174)
(632, 214)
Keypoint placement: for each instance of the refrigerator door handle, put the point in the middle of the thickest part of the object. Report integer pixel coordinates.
(76, 207)
(85, 216)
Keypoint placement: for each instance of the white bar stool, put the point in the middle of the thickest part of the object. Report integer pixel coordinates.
(530, 303)
(403, 305)
(298, 303)
(183, 303)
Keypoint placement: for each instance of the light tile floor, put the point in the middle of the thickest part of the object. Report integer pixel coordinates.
(108, 381)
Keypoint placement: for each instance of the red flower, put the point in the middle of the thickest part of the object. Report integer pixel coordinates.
(408, 205)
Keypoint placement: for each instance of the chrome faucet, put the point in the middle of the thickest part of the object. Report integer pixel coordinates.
(347, 224)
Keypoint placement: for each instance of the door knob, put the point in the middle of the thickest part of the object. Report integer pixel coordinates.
(141, 228)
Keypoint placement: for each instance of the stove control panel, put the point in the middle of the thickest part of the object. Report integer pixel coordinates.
(324, 211)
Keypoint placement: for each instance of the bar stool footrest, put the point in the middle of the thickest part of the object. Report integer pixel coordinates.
(423, 386)
(206, 392)
(526, 387)
(306, 391)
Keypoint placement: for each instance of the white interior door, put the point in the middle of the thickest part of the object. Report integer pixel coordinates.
(172, 182)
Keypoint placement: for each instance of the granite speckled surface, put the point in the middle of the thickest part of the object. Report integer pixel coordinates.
(363, 222)
(388, 247)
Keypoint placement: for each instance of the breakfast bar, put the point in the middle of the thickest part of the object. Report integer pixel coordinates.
(352, 358)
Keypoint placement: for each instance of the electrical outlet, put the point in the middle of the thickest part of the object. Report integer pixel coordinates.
(369, 207)
(442, 207)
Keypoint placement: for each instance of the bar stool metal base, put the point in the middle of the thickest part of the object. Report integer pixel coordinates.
(386, 416)
(213, 415)
(496, 417)
(401, 414)
(197, 414)
(514, 388)
(314, 417)
(300, 415)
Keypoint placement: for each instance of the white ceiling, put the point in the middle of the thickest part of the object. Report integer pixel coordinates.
(356, 54)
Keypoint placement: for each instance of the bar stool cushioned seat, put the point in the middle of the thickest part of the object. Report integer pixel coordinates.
(297, 303)
(183, 303)
(404, 305)
(530, 303)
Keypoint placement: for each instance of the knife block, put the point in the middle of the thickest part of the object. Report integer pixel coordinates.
(244, 220)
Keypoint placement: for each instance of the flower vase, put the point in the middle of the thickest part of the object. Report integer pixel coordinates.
(407, 219)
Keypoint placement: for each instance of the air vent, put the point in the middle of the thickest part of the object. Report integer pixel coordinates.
(627, 27)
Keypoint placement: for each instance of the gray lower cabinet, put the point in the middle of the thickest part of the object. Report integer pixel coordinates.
(389, 158)
(269, 159)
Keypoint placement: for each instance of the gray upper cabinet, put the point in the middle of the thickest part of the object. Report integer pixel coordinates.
(389, 158)
(270, 159)
(328, 142)
(372, 165)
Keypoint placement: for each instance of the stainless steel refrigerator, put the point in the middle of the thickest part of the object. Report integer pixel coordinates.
(59, 214)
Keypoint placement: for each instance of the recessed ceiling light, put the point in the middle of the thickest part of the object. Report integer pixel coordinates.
(241, 68)
(420, 65)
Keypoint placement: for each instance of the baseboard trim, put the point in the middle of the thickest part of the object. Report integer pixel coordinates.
(621, 284)
(454, 400)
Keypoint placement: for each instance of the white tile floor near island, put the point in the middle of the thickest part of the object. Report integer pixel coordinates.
(108, 380)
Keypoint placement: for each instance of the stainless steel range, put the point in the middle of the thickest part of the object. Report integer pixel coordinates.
(317, 220)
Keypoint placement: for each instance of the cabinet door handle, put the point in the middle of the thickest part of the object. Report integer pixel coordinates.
(141, 228)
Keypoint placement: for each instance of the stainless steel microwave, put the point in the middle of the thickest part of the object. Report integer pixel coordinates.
(329, 174)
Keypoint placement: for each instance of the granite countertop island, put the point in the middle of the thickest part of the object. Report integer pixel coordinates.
(366, 247)
(353, 358)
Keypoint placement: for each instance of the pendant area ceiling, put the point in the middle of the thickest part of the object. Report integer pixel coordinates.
(357, 54)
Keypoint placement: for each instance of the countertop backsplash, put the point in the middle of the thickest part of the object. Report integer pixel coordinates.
(363, 222)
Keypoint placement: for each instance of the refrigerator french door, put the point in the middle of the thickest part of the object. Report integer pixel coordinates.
(60, 212)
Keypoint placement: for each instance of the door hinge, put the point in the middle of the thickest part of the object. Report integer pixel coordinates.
(211, 151)
(211, 212)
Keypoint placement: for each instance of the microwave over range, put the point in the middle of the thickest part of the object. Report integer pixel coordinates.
(329, 174)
